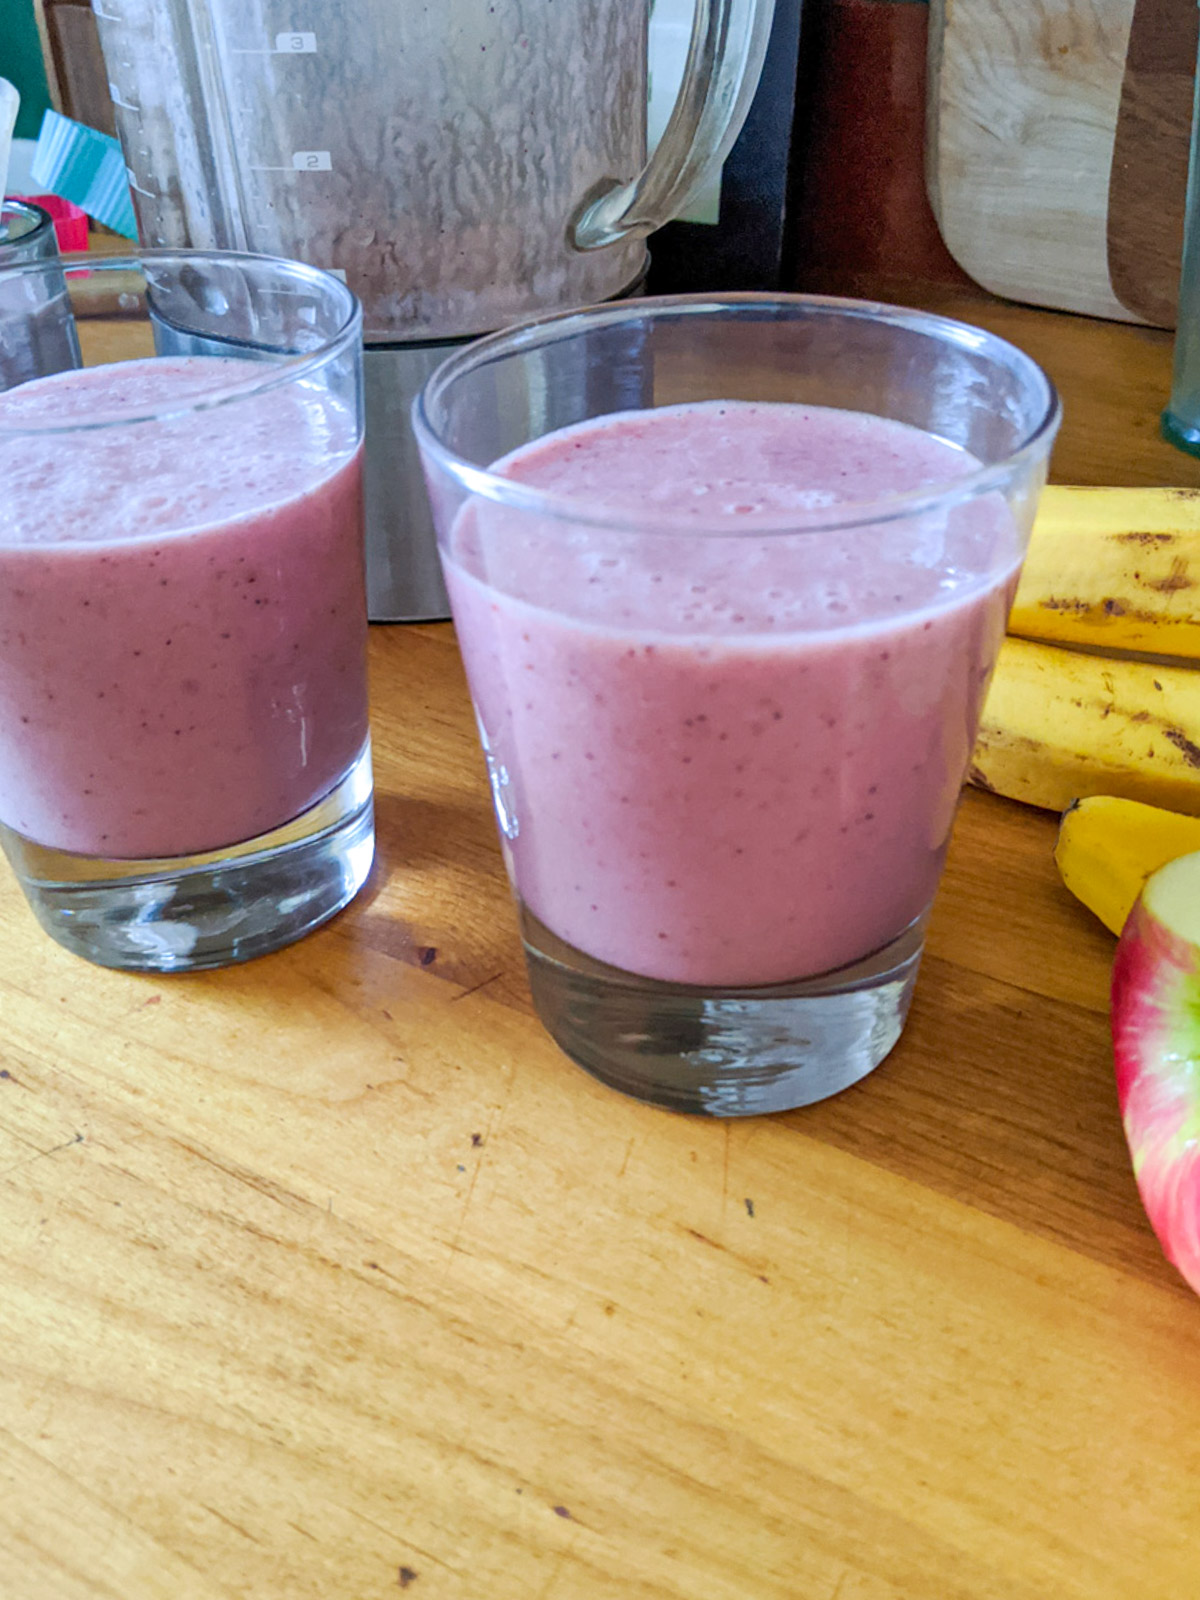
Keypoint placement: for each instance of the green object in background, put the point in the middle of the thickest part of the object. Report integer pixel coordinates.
(1180, 422)
(21, 64)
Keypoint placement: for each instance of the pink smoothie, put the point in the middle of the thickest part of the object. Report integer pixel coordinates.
(182, 621)
(733, 759)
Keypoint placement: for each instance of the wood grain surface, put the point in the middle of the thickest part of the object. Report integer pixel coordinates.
(329, 1278)
(1148, 182)
(1023, 102)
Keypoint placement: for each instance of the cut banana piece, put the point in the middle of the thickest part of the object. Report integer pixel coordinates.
(1059, 725)
(1107, 848)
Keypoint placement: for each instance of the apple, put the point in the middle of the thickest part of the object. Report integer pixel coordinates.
(1156, 1046)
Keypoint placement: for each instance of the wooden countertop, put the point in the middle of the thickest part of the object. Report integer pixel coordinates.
(328, 1277)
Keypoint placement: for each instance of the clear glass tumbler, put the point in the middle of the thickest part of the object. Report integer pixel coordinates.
(37, 333)
(26, 233)
(728, 650)
(185, 775)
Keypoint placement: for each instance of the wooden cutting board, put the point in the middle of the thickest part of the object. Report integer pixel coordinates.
(1056, 151)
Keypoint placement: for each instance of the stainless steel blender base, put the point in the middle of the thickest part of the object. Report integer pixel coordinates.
(404, 578)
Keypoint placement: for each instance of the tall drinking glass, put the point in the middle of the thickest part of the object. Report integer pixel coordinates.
(729, 576)
(184, 762)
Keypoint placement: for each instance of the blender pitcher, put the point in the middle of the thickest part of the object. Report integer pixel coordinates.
(462, 164)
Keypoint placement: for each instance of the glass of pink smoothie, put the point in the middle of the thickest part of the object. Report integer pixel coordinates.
(729, 576)
(185, 775)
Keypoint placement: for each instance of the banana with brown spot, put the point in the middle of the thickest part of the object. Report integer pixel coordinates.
(1115, 570)
(1061, 724)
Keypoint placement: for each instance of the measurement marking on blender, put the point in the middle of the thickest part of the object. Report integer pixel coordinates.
(301, 162)
(137, 188)
(106, 16)
(286, 44)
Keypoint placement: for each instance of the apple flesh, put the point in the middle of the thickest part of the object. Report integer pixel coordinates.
(1156, 1046)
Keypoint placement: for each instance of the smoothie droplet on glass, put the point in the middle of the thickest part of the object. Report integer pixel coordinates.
(182, 621)
(726, 754)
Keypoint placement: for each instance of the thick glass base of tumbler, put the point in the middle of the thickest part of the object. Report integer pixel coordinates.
(1177, 430)
(187, 913)
(723, 1052)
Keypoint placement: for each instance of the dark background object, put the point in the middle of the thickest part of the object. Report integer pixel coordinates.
(1148, 181)
(750, 247)
(863, 221)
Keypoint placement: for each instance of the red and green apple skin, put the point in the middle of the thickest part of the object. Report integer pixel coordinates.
(1156, 1046)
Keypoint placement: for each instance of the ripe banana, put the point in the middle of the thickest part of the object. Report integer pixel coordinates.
(1116, 569)
(1062, 724)
(1108, 847)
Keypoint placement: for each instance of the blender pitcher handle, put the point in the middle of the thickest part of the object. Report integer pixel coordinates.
(725, 57)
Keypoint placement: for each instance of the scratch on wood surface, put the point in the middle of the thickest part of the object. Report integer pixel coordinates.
(462, 1216)
(485, 1140)
(374, 1266)
(625, 1161)
(264, 1186)
(702, 1238)
(237, 1528)
(475, 987)
(406, 1544)
(40, 1155)
(371, 1523)
(247, 1226)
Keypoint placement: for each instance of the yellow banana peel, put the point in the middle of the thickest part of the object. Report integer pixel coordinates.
(1059, 725)
(1115, 570)
(1107, 847)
